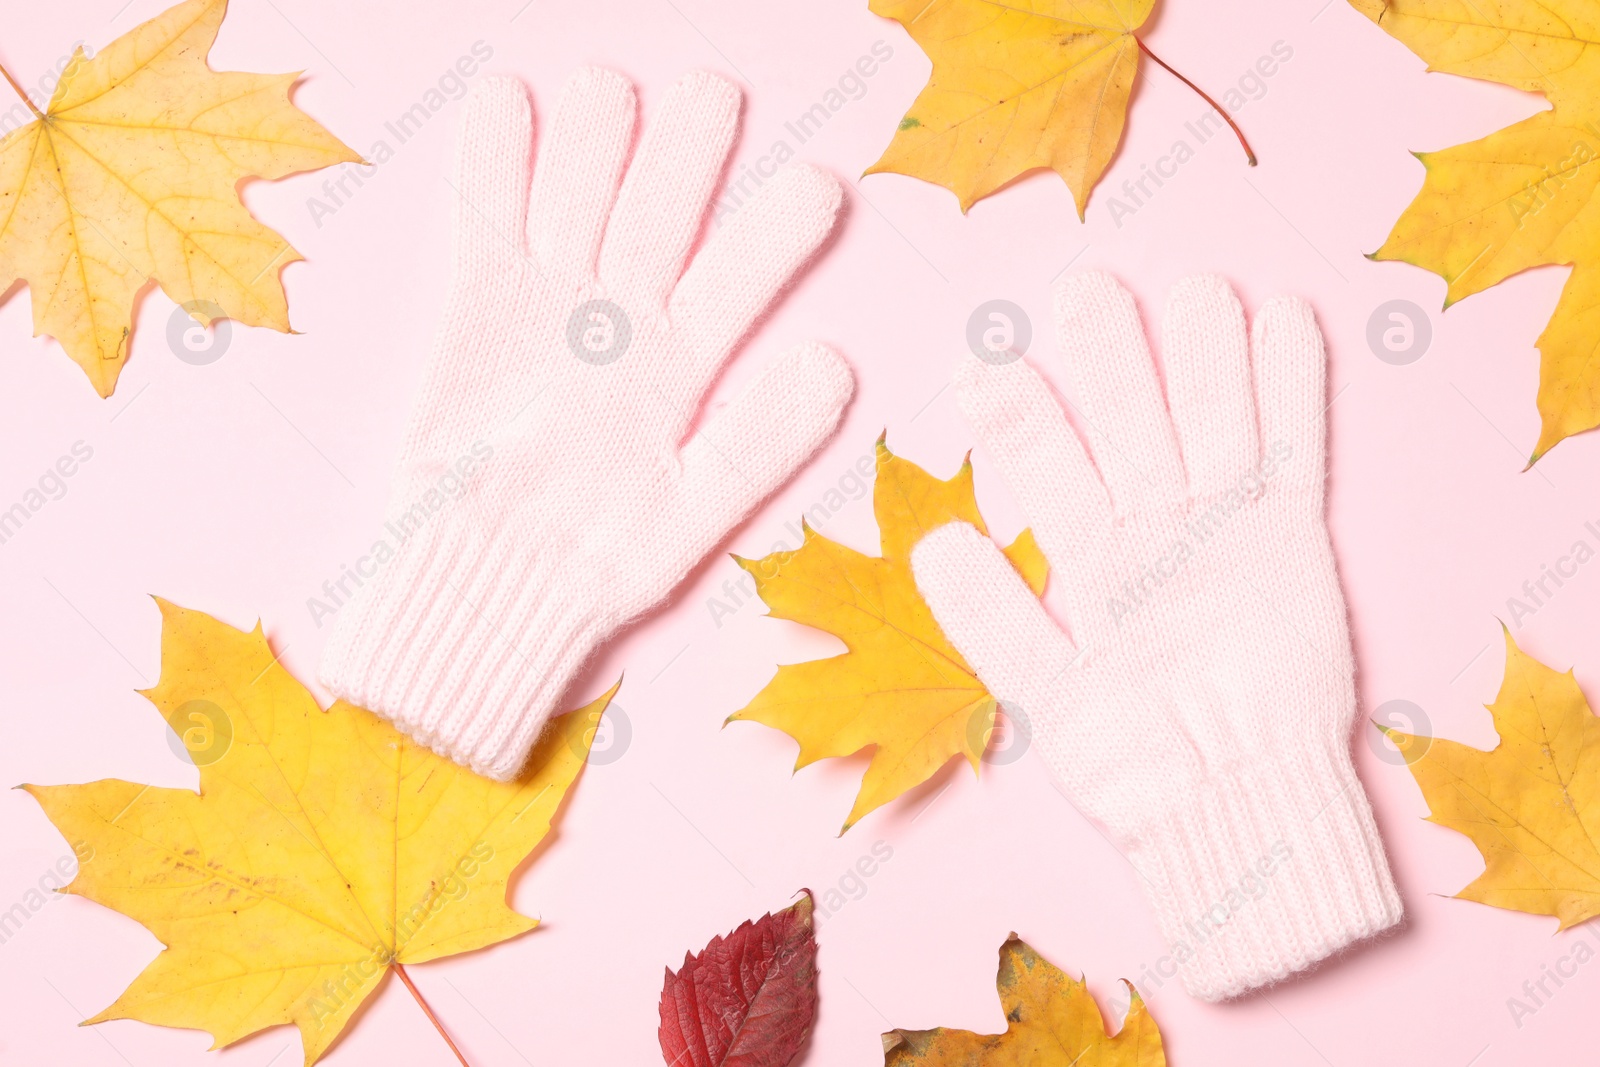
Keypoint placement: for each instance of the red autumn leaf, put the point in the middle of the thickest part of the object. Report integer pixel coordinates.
(749, 999)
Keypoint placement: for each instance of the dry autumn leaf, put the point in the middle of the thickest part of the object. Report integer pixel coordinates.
(1050, 1019)
(1532, 803)
(747, 999)
(130, 176)
(1521, 197)
(1019, 87)
(322, 850)
(900, 686)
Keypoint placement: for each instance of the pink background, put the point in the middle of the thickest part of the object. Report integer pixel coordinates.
(239, 487)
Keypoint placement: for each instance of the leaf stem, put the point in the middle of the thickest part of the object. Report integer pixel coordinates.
(26, 99)
(432, 1018)
(1249, 153)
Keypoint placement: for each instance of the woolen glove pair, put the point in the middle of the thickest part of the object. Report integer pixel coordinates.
(1202, 705)
(549, 488)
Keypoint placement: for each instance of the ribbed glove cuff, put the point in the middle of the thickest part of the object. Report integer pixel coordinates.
(466, 646)
(1267, 873)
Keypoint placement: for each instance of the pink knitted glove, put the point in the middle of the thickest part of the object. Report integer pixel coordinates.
(549, 488)
(1202, 708)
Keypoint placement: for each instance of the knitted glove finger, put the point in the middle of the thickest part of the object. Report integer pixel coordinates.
(663, 200)
(1103, 345)
(493, 147)
(988, 612)
(1206, 356)
(746, 263)
(1022, 426)
(1291, 391)
(750, 448)
(580, 162)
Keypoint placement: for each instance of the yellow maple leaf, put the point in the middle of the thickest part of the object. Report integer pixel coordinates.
(322, 849)
(131, 176)
(1050, 1019)
(1532, 803)
(1524, 196)
(1015, 87)
(901, 686)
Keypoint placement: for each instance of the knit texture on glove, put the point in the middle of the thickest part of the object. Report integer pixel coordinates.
(1201, 709)
(552, 484)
